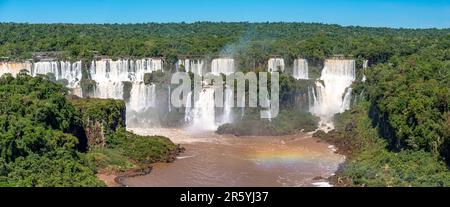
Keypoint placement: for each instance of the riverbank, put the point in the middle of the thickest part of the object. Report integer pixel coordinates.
(127, 154)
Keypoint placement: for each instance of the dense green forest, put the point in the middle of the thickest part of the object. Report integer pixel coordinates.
(250, 43)
(44, 139)
(398, 130)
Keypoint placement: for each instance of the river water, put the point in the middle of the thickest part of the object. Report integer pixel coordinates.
(212, 160)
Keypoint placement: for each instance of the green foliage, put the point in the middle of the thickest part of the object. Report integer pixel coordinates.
(110, 113)
(109, 160)
(403, 169)
(410, 99)
(251, 44)
(370, 163)
(50, 171)
(142, 149)
(37, 142)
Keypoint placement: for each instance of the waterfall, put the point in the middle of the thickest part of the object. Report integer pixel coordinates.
(46, 67)
(194, 66)
(71, 72)
(243, 108)
(276, 64)
(14, 67)
(203, 112)
(222, 65)
(228, 106)
(365, 65)
(144, 66)
(301, 70)
(168, 99)
(110, 75)
(62, 70)
(142, 97)
(332, 94)
(188, 110)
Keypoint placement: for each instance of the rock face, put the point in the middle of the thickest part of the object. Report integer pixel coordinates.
(100, 118)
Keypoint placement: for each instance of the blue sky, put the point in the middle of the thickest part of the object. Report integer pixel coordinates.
(394, 13)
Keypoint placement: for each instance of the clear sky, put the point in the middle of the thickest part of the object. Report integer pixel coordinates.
(394, 13)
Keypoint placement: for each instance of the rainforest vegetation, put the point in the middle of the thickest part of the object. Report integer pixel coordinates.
(397, 133)
(44, 139)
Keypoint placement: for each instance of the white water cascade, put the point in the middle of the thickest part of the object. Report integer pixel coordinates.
(169, 103)
(228, 106)
(195, 66)
(333, 93)
(142, 97)
(14, 67)
(62, 70)
(110, 75)
(202, 114)
(276, 64)
(301, 69)
(222, 65)
(365, 65)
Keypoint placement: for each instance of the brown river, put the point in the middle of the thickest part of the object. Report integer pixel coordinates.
(212, 160)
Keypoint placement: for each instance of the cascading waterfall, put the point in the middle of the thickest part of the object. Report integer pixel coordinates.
(301, 69)
(71, 72)
(62, 70)
(14, 67)
(222, 65)
(110, 76)
(142, 97)
(276, 64)
(169, 103)
(144, 66)
(195, 66)
(203, 114)
(365, 65)
(243, 108)
(188, 110)
(333, 93)
(228, 106)
(46, 67)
